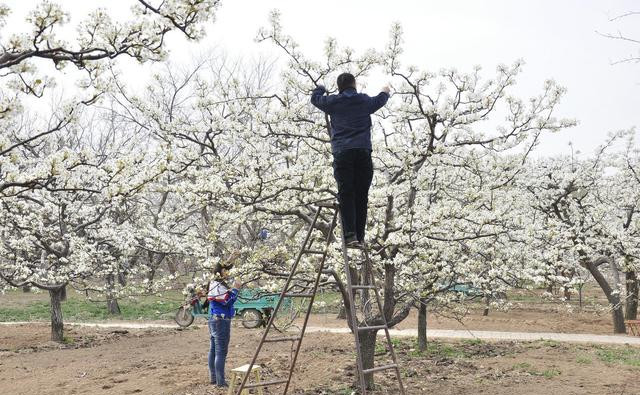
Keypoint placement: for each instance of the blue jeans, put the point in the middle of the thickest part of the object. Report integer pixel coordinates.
(220, 332)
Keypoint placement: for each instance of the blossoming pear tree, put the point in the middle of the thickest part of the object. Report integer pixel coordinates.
(442, 176)
(25, 60)
(59, 194)
(583, 218)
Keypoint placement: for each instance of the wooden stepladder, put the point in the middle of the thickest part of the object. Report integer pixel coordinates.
(367, 287)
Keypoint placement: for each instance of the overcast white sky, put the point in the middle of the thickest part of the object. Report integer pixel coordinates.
(556, 38)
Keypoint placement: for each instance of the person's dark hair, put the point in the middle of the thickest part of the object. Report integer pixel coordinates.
(346, 80)
(220, 267)
(217, 272)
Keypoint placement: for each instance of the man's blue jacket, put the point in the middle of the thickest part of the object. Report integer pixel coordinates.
(350, 114)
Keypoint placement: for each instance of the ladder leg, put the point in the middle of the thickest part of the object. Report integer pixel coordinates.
(352, 313)
(315, 288)
(277, 308)
(372, 279)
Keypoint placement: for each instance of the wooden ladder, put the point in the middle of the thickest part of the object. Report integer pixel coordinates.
(368, 285)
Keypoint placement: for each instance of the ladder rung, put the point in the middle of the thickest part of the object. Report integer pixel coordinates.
(355, 247)
(363, 287)
(379, 368)
(266, 383)
(288, 295)
(370, 328)
(327, 204)
(282, 339)
(317, 252)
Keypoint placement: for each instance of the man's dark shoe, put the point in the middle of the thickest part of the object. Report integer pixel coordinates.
(351, 241)
(357, 245)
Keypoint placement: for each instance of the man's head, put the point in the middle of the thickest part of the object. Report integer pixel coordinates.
(346, 80)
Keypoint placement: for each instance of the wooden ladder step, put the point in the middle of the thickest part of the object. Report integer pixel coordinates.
(370, 328)
(327, 204)
(379, 368)
(266, 383)
(289, 295)
(316, 252)
(282, 339)
(363, 287)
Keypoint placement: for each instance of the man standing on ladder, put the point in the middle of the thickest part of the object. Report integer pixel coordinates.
(350, 133)
(350, 114)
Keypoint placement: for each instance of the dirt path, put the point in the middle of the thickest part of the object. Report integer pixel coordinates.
(495, 335)
(432, 333)
(96, 360)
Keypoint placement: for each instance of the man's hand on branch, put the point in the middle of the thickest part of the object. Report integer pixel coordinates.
(237, 284)
(386, 89)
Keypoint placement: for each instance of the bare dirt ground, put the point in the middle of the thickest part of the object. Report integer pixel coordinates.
(165, 361)
(170, 361)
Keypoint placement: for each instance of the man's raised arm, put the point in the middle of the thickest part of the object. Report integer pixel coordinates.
(319, 100)
(377, 102)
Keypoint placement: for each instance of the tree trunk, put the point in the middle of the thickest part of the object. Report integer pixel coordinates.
(57, 326)
(615, 271)
(389, 302)
(422, 326)
(487, 302)
(342, 314)
(365, 295)
(614, 299)
(113, 307)
(618, 319)
(567, 294)
(580, 294)
(122, 279)
(631, 305)
(355, 280)
(367, 351)
(172, 267)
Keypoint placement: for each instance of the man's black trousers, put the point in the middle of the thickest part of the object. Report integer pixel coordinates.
(353, 170)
